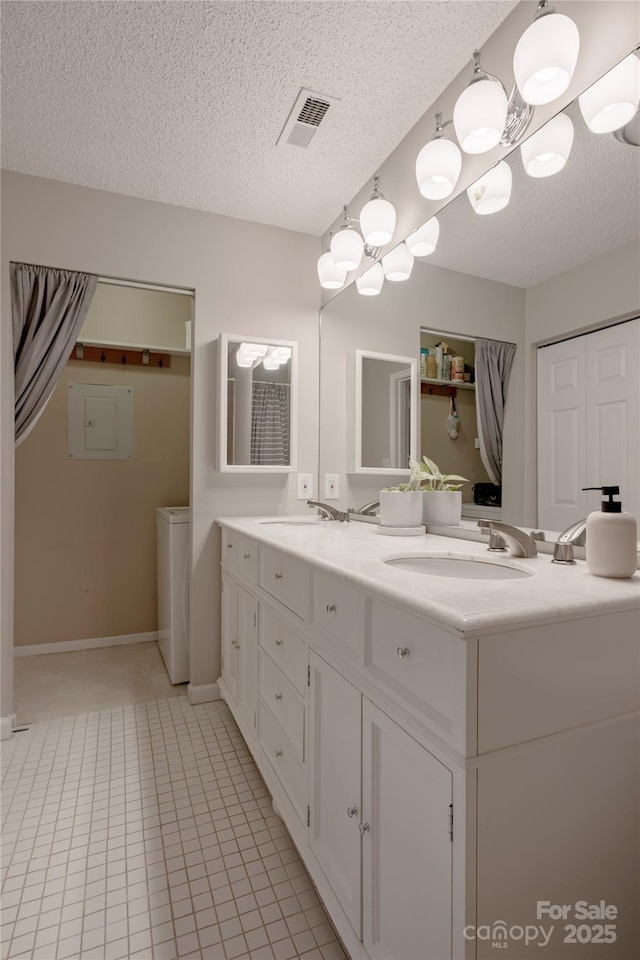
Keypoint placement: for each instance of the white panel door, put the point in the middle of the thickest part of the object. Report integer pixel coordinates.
(407, 848)
(613, 413)
(230, 635)
(247, 649)
(562, 457)
(334, 783)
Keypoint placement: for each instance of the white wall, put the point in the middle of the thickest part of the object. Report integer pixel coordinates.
(589, 296)
(248, 278)
(436, 299)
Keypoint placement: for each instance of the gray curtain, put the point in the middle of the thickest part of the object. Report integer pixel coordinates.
(494, 360)
(48, 308)
(269, 423)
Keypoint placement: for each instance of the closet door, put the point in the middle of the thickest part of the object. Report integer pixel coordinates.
(613, 413)
(562, 449)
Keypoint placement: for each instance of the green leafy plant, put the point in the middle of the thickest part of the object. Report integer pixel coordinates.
(428, 476)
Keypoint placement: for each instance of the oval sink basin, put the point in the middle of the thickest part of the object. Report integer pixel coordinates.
(458, 568)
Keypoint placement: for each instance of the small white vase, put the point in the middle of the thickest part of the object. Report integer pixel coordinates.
(442, 507)
(401, 508)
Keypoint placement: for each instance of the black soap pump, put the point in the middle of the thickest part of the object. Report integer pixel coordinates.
(612, 535)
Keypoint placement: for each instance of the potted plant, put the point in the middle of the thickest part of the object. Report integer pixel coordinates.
(401, 506)
(441, 493)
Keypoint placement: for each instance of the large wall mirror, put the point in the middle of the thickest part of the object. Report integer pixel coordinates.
(257, 404)
(385, 412)
(518, 275)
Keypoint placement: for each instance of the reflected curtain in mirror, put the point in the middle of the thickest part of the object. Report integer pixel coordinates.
(269, 423)
(494, 360)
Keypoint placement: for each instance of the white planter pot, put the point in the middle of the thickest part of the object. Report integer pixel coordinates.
(401, 508)
(442, 507)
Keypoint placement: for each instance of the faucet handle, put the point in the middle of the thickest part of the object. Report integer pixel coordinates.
(496, 542)
(563, 553)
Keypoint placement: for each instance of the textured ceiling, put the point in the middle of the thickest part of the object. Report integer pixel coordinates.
(183, 101)
(550, 225)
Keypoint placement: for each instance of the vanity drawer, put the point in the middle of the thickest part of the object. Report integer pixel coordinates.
(283, 702)
(418, 661)
(284, 646)
(247, 557)
(229, 548)
(339, 609)
(286, 578)
(279, 751)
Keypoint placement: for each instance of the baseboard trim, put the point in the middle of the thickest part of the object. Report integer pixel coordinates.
(7, 725)
(67, 646)
(203, 693)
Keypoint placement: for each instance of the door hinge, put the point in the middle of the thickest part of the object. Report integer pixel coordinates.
(308, 676)
(308, 816)
(450, 821)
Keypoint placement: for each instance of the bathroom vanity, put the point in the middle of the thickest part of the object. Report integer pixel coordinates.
(454, 754)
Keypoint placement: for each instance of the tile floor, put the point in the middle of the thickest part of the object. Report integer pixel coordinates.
(145, 832)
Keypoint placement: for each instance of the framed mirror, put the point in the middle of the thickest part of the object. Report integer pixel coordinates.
(257, 413)
(385, 431)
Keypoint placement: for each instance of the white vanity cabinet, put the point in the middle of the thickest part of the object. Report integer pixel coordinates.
(240, 646)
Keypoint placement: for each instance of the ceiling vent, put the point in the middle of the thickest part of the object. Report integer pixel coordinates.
(305, 117)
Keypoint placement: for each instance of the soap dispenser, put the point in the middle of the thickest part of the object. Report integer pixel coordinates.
(612, 535)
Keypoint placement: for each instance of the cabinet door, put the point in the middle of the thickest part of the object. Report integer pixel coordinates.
(247, 649)
(334, 783)
(230, 635)
(407, 849)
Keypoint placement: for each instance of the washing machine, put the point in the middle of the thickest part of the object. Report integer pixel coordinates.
(173, 528)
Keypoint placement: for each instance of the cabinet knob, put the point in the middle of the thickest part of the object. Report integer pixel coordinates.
(278, 696)
(245, 556)
(229, 545)
(278, 754)
(403, 653)
(279, 643)
(278, 576)
(352, 811)
(331, 608)
(364, 828)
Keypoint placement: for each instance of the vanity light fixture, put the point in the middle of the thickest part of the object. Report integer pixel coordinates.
(480, 113)
(546, 55)
(347, 246)
(438, 164)
(330, 276)
(370, 283)
(423, 241)
(252, 354)
(613, 99)
(547, 151)
(377, 218)
(492, 191)
(398, 263)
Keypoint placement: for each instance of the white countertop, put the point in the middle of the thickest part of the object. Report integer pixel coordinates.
(356, 551)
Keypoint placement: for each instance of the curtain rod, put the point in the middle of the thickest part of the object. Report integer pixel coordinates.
(145, 286)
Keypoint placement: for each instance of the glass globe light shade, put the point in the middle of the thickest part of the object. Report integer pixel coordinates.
(547, 151)
(370, 283)
(331, 278)
(423, 241)
(378, 221)
(244, 361)
(492, 191)
(398, 263)
(438, 167)
(271, 363)
(545, 58)
(346, 248)
(479, 116)
(613, 99)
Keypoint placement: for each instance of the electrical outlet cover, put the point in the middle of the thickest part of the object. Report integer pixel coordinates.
(331, 486)
(304, 486)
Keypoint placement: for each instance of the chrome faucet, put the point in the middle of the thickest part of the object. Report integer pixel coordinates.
(328, 512)
(518, 543)
(368, 510)
(574, 536)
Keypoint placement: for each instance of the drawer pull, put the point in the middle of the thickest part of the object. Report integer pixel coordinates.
(245, 556)
(278, 754)
(278, 576)
(229, 546)
(364, 828)
(279, 643)
(352, 811)
(403, 653)
(331, 608)
(278, 696)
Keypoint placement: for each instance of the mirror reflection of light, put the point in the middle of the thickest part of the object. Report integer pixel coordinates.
(613, 100)
(398, 263)
(423, 241)
(492, 191)
(370, 283)
(547, 151)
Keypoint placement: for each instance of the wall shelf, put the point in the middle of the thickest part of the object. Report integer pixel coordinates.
(443, 388)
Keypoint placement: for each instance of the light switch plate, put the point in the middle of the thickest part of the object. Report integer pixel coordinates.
(305, 486)
(331, 486)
